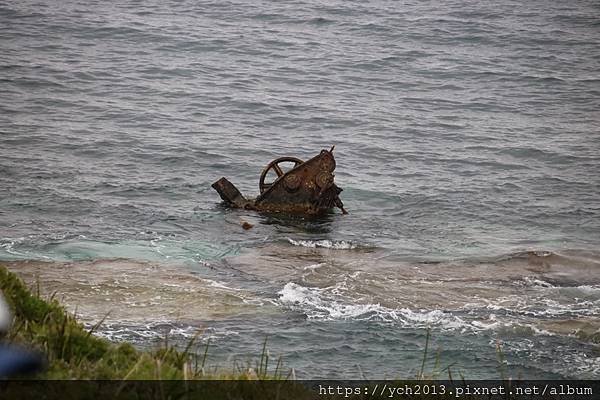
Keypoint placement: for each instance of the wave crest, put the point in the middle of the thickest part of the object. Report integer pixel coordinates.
(327, 244)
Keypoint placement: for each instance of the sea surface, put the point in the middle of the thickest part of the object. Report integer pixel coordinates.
(467, 139)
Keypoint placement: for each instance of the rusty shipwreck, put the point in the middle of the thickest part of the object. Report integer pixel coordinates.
(307, 188)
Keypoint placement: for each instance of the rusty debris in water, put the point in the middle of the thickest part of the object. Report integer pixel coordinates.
(307, 188)
(247, 225)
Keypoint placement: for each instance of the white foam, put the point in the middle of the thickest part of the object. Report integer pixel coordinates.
(537, 282)
(332, 303)
(586, 366)
(8, 244)
(576, 302)
(423, 318)
(327, 244)
(589, 289)
(318, 303)
(312, 301)
(219, 285)
(157, 331)
(313, 267)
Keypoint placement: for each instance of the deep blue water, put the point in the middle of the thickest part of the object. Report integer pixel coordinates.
(467, 144)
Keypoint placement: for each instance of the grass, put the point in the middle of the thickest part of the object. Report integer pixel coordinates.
(73, 352)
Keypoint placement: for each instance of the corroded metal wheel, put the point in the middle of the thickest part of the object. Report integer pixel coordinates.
(274, 165)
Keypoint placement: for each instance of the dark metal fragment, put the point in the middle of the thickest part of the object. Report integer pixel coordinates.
(308, 188)
(229, 193)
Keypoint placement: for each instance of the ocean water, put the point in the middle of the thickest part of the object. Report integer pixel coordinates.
(467, 144)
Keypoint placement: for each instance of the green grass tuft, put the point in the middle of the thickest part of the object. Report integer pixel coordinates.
(73, 352)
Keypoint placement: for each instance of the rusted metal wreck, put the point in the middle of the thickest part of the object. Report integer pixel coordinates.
(307, 188)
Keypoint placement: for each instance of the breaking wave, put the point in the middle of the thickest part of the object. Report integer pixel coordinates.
(315, 303)
(158, 331)
(327, 244)
(326, 304)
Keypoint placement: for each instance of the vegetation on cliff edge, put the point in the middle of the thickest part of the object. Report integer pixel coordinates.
(73, 352)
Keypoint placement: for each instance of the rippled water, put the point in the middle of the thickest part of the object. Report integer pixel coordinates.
(466, 142)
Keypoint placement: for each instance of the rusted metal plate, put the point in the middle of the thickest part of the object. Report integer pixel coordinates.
(308, 188)
(230, 194)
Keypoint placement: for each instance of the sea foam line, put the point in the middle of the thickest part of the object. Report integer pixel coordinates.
(314, 302)
(327, 304)
(327, 244)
